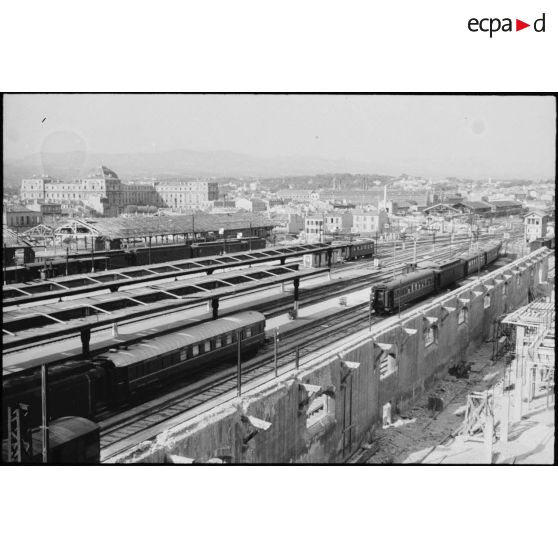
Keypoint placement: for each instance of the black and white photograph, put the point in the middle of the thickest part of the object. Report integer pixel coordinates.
(349, 279)
(278, 278)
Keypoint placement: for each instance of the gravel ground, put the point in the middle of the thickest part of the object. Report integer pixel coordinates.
(424, 436)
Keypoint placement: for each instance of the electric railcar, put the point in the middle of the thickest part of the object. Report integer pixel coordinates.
(431, 277)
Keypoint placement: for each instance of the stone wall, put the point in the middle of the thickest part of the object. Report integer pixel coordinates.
(326, 410)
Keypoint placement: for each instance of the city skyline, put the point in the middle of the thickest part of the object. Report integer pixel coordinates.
(464, 136)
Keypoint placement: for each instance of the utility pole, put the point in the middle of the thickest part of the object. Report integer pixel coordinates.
(44, 408)
(415, 251)
(276, 340)
(450, 239)
(394, 243)
(370, 309)
(92, 255)
(4, 261)
(67, 256)
(238, 364)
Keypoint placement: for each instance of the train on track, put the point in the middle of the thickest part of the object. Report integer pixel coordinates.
(430, 278)
(49, 267)
(72, 440)
(54, 268)
(359, 249)
(130, 372)
(82, 387)
(548, 242)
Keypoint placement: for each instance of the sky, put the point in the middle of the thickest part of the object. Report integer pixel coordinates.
(469, 136)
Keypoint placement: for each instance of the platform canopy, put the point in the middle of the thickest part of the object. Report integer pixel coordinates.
(113, 228)
(11, 239)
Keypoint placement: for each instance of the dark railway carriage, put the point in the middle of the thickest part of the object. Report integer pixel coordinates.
(394, 295)
(72, 440)
(83, 387)
(541, 242)
(19, 274)
(323, 258)
(156, 361)
(473, 262)
(114, 259)
(218, 247)
(361, 249)
(447, 272)
(492, 252)
(74, 388)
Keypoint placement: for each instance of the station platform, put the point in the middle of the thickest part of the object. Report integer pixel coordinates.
(66, 286)
(27, 326)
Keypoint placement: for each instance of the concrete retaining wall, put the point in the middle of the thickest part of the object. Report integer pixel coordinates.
(326, 410)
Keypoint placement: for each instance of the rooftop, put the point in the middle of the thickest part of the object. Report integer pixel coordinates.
(146, 225)
(536, 314)
(473, 204)
(102, 172)
(11, 239)
(506, 203)
(537, 212)
(18, 208)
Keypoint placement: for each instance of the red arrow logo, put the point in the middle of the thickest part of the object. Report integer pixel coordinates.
(519, 25)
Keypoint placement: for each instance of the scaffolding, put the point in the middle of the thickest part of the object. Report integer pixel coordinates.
(533, 357)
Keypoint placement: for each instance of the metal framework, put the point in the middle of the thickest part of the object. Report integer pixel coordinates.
(40, 231)
(19, 434)
(147, 301)
(17, 293)
(533, 357)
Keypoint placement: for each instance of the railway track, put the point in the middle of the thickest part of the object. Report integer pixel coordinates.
(282, 303)
(116, 429)
(223, 381)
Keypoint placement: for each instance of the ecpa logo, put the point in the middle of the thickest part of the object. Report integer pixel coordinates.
(493, 25)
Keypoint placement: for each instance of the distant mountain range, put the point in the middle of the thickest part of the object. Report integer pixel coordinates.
(182, 162)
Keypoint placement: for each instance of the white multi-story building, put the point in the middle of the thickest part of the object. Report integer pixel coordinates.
(252, 204)
(106, 194)
(369, 221)
(188, 195)
(535, 225)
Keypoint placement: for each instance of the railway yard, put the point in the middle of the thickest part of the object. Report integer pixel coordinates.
(309, 298)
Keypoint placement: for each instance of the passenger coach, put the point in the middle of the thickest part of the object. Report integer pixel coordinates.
(138, 366)
(83, 387)
(446, 272)
(389, 297)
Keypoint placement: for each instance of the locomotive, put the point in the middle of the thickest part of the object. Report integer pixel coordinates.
(430, 277)
(82, 387)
